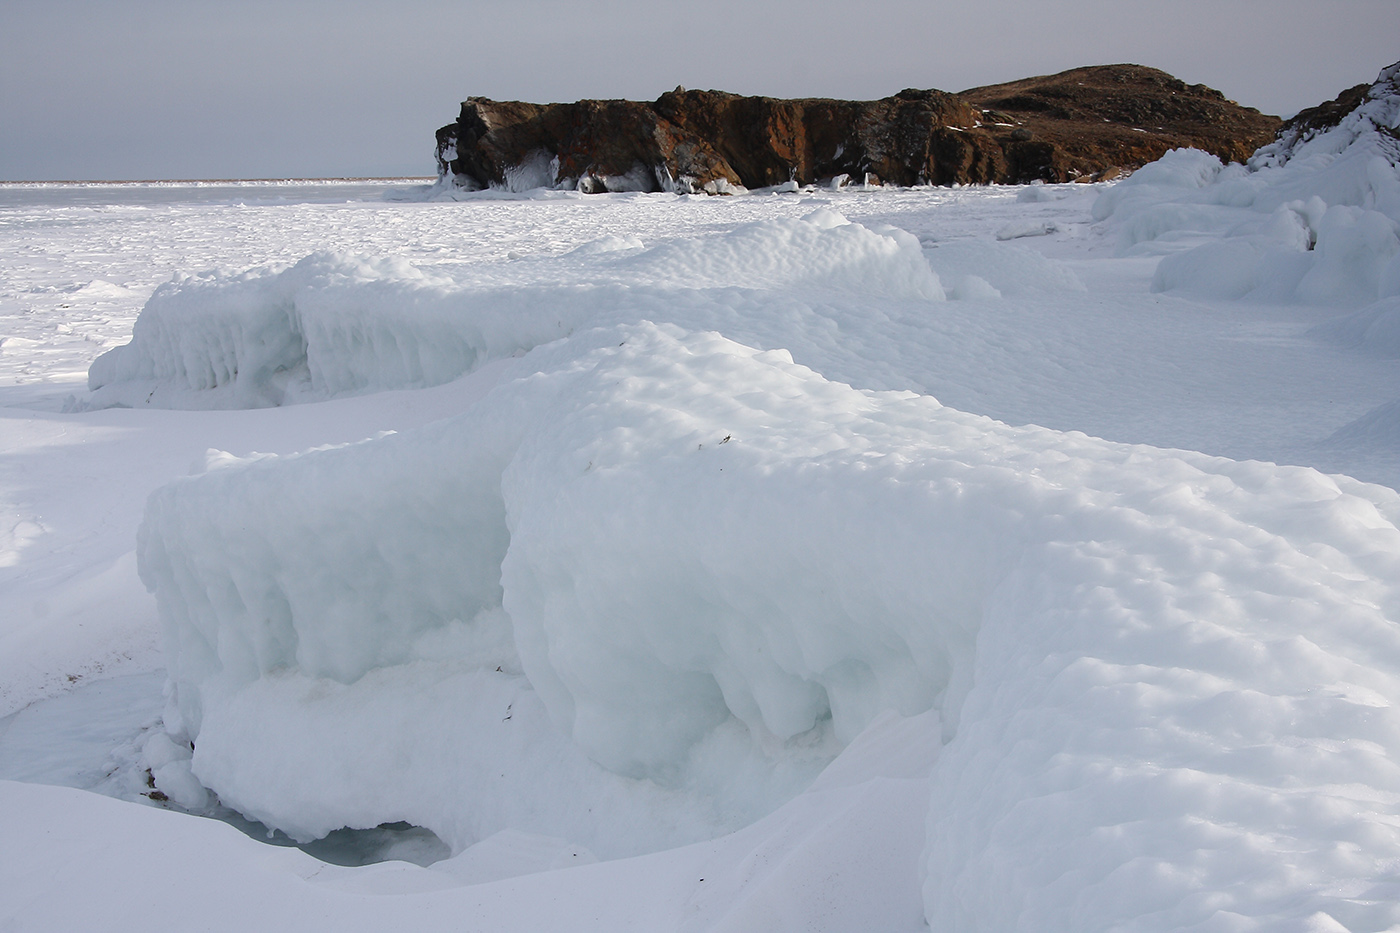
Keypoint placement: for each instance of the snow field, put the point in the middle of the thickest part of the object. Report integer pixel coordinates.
(1025, 341)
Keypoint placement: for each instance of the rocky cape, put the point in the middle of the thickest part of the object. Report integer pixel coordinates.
(1085, 124)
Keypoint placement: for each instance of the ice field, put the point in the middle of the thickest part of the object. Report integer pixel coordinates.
(859, 559)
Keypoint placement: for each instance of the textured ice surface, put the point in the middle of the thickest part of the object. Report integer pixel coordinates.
(720, 567)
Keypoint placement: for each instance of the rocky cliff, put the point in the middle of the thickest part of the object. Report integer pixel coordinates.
(1083, 124)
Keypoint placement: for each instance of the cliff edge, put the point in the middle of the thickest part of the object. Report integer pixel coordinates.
(1084, 124)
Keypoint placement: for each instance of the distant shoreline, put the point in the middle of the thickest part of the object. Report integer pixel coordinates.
(175, 182)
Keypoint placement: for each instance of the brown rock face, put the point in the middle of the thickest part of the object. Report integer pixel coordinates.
(1087, 123)
(1327, 114)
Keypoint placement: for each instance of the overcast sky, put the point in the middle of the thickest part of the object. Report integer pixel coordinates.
(108, 89)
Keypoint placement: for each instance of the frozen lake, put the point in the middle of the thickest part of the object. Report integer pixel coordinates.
(989, 558)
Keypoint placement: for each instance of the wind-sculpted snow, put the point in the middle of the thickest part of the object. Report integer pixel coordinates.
(331, 325)
(1375, 329)
(1167, 682)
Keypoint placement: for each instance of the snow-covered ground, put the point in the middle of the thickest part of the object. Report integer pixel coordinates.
(988, 559)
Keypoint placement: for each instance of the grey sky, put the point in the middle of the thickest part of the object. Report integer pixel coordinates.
(249, 88)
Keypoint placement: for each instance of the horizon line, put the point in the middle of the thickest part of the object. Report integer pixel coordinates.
(212, 181)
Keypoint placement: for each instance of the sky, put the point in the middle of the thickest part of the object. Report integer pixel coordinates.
(150, 89)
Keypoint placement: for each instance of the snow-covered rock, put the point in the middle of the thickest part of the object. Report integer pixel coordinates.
(1314, 218)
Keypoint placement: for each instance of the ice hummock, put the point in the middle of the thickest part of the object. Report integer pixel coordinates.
(720, 568)
(331, 325)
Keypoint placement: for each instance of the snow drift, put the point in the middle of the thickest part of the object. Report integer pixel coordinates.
(713, 568)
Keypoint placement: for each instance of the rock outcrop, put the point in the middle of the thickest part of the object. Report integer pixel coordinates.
(1096, 122)
(1083, 124)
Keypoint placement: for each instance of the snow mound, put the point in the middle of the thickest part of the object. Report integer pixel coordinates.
(1377, 429)
(1314, 218)
(1037, 192)
(1020, 229)
(1305, 252)
(1166, 682)
(1375, 329)
(822, 250)
(332, 325)
(1012, 270)
(612, 243)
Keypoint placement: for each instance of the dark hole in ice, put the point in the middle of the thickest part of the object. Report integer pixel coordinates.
(352, 848)
(69, 740)
(402, 842)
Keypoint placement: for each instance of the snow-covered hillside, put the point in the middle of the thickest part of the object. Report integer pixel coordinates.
(977, 559)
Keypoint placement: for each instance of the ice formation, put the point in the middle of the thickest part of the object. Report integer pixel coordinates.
(1313, 218)
(332, 324)
(718, 568)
